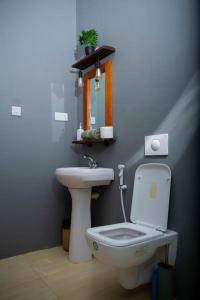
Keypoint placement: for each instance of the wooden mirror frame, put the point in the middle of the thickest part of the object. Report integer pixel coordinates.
(107, 69)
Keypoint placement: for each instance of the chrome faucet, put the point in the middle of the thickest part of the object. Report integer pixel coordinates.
(91, 161)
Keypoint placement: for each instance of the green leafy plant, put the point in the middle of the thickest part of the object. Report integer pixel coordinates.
(88, 38)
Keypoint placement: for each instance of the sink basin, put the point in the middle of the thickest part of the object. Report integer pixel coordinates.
(80, 182)
(84, 177)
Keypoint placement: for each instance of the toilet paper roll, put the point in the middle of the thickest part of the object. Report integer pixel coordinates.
(106, 132)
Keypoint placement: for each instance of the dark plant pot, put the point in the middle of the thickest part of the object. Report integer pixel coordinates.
(89, 49)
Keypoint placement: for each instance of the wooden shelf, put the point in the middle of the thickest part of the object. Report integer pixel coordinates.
(90, 59)
(90, 142)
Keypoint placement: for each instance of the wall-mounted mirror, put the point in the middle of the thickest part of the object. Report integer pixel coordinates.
(97, 103)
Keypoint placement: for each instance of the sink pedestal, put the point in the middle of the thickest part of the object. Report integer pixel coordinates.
(80, 221)
(80, 181)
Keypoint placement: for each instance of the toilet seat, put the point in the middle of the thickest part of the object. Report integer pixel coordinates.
(123, 234)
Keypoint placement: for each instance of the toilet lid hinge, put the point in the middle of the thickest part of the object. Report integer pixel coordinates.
(161, 229)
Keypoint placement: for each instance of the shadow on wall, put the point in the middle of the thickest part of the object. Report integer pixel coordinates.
(181, 123)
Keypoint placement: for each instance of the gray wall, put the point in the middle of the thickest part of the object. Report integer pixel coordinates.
(155, 89)
(37, 41)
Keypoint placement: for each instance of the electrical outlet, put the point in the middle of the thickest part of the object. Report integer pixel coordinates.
(60, 116)
(16, 111)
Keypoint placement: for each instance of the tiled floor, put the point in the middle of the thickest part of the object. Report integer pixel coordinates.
(48, 274)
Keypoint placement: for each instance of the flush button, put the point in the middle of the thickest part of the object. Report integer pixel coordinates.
(155, 145)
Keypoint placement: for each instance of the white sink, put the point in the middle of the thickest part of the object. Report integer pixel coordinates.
(84, 177)
(80, 182)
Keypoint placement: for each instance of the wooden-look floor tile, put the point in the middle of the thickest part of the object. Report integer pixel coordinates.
(48, 274)
(75, 283)
(33, 290)
(14, 271)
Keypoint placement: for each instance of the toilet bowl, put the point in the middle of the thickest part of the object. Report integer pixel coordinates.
(135, 247)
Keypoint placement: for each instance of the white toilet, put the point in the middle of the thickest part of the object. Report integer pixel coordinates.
(135, 248)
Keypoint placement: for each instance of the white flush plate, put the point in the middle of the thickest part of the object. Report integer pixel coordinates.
(60, 116)
(16, 111)
(156, 145)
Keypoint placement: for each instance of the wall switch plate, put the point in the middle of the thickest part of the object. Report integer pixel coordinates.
(59, 116)
(92, 120)
(16, 111)
(156, 145)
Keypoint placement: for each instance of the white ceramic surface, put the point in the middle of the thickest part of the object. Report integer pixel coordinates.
(84, 177)
(80, 182)
(135, 261)
(133, 248)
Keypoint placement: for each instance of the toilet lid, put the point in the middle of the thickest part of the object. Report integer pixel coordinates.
(151, 191)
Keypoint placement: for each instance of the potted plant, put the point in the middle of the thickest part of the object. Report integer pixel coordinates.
(89, 39)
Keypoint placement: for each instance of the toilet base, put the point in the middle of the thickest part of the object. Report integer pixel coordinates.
(131, 278)
(135, 263)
